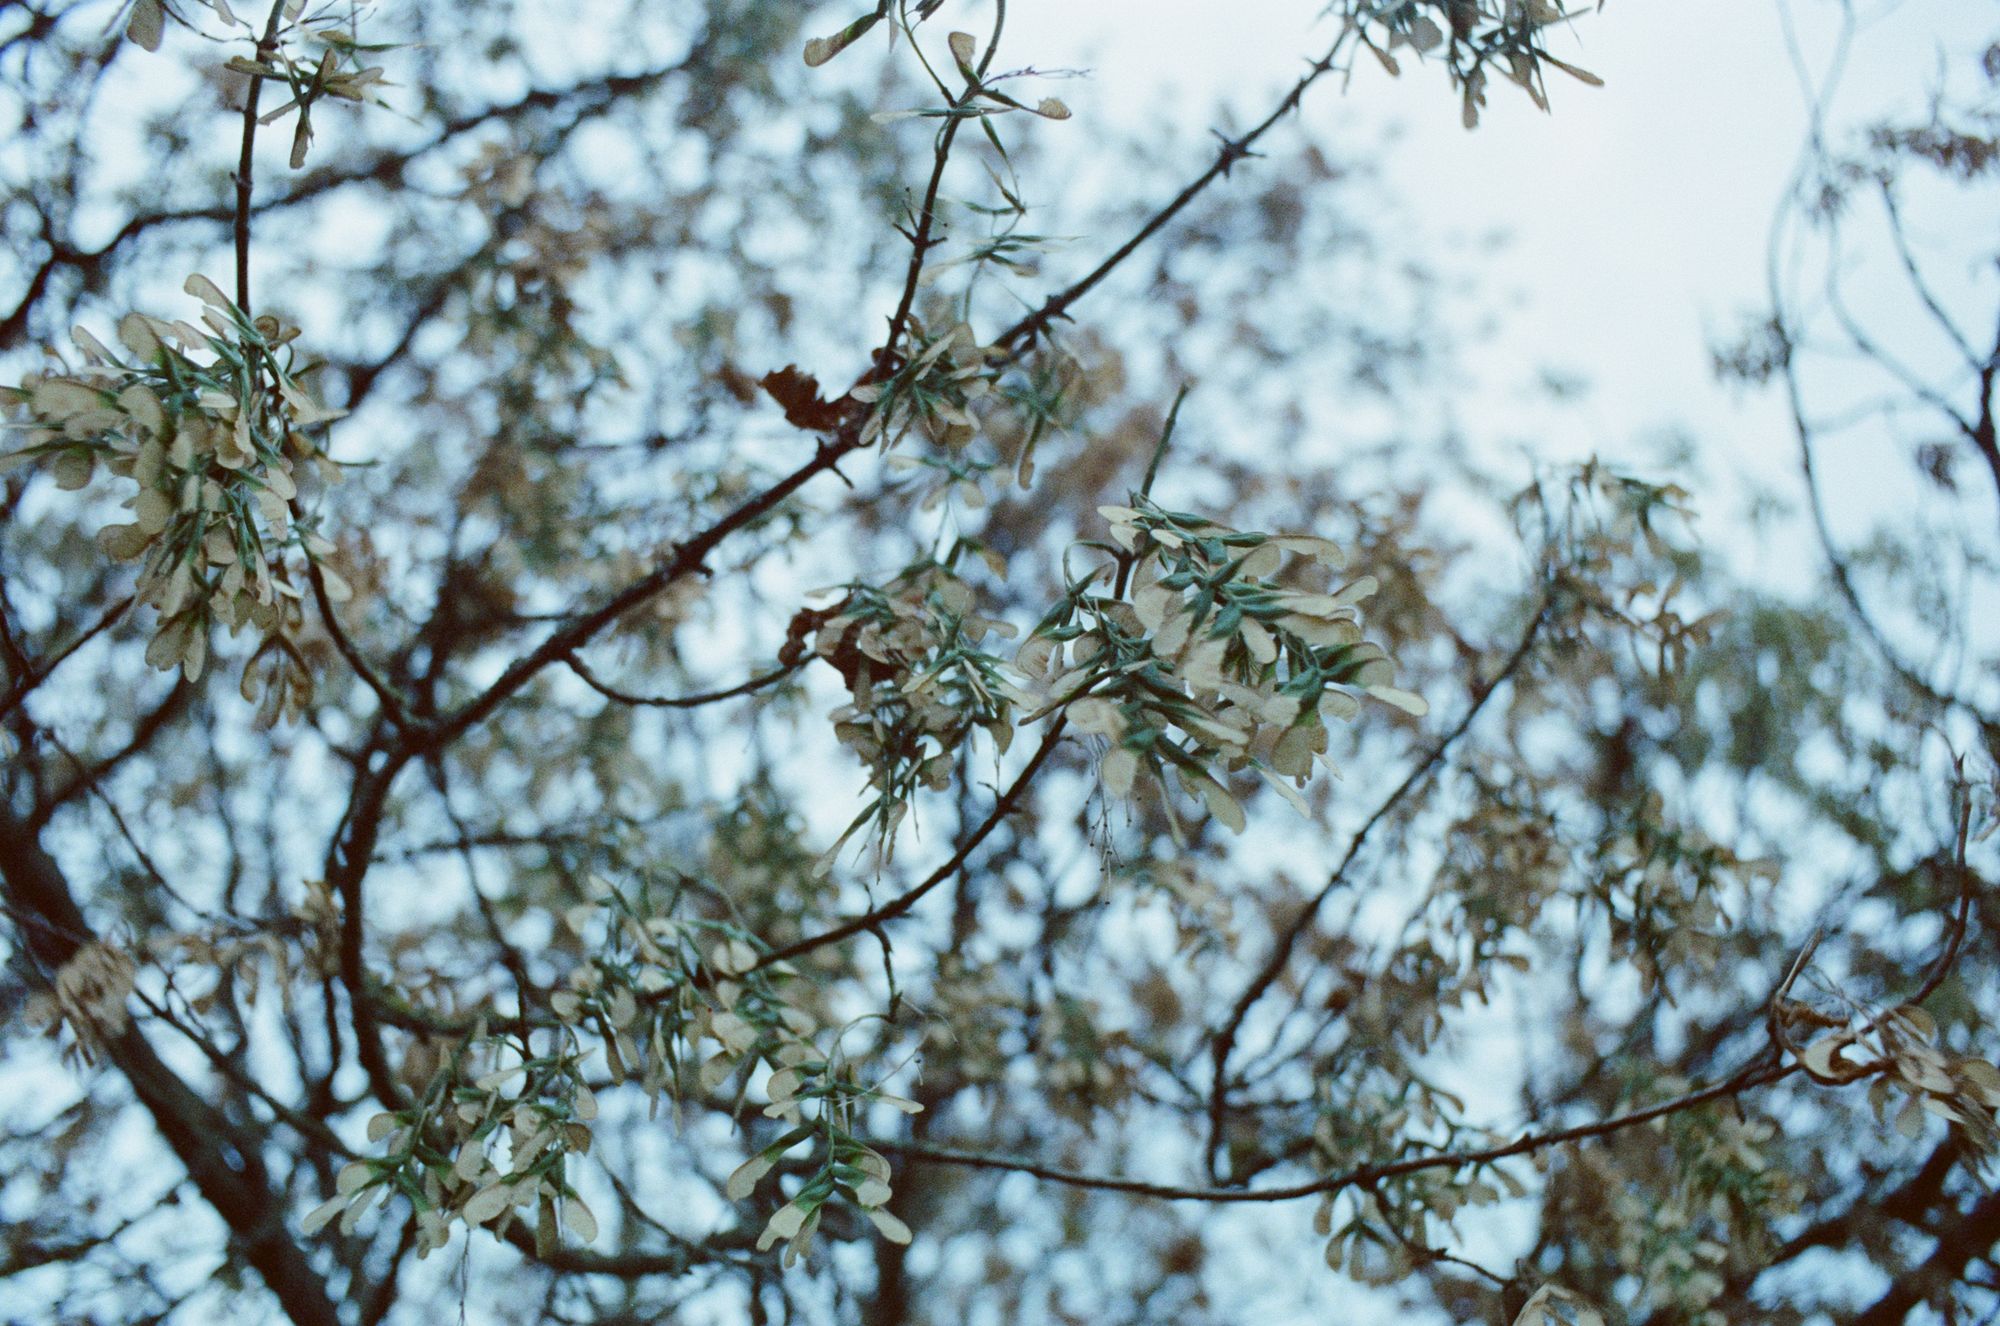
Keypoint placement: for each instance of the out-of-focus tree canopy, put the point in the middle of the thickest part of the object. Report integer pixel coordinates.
(643, 679)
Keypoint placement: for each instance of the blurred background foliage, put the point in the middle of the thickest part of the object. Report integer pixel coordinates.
(530, 913)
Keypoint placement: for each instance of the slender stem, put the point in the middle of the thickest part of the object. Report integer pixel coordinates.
(922, 240)
(616, 696)
(39, 673)
(1129, 559)
(385, 694)
(1759, 1072)
(1024, 332)
(1009, 801)
(267, 46)
(1281, 952)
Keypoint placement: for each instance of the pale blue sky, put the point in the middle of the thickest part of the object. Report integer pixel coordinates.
(1637, 215)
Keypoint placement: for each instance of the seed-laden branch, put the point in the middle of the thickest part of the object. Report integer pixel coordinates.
(1761, 1071)
(1224, 1040)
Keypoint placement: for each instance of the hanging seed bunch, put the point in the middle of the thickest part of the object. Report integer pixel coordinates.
(1214, 664)
(215, 426)
(919, 680)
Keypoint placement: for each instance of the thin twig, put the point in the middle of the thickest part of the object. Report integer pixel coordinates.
(1281, 953)
(1129, 558)
(1968, 883)
(267, 47)
(587, 100)
(297, 1120)
(757, 683)
(392, 702)
(1759, 1072)
(1024, 332)
(39, 672)
(923, 238)
(1009, 801)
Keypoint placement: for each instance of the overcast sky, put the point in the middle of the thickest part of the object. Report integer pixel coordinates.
(1637, 214)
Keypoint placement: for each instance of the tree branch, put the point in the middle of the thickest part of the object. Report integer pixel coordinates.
(1009, 801)
(1759, 1072)
(37, 673)
(616, 696)
(1024, 332)
(1224, 1040)
(223, 1162)
(267, 47)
